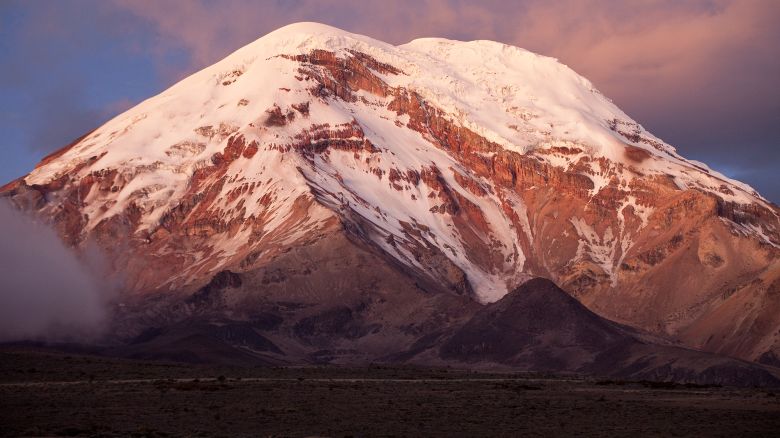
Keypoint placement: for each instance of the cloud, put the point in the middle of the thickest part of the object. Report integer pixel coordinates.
(46, 291)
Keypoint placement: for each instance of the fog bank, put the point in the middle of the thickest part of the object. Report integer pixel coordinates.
(46, 292)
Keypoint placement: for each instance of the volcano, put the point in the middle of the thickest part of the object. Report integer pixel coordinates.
(320, 196)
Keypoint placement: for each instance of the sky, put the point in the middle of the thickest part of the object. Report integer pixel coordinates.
(700, 74)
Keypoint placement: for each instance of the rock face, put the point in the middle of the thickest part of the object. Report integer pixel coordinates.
(465, 167)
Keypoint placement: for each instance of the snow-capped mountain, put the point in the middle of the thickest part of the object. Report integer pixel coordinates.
(469, 167)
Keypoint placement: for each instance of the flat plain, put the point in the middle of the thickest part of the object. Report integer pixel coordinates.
(45, 393)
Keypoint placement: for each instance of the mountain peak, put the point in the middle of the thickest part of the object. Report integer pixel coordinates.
(302, 37)
(309, 27)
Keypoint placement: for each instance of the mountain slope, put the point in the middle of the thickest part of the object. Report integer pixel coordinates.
(473, 165)
(539, 327)
(377, 316)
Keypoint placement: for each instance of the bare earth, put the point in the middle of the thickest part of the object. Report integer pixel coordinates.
(44, 393)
